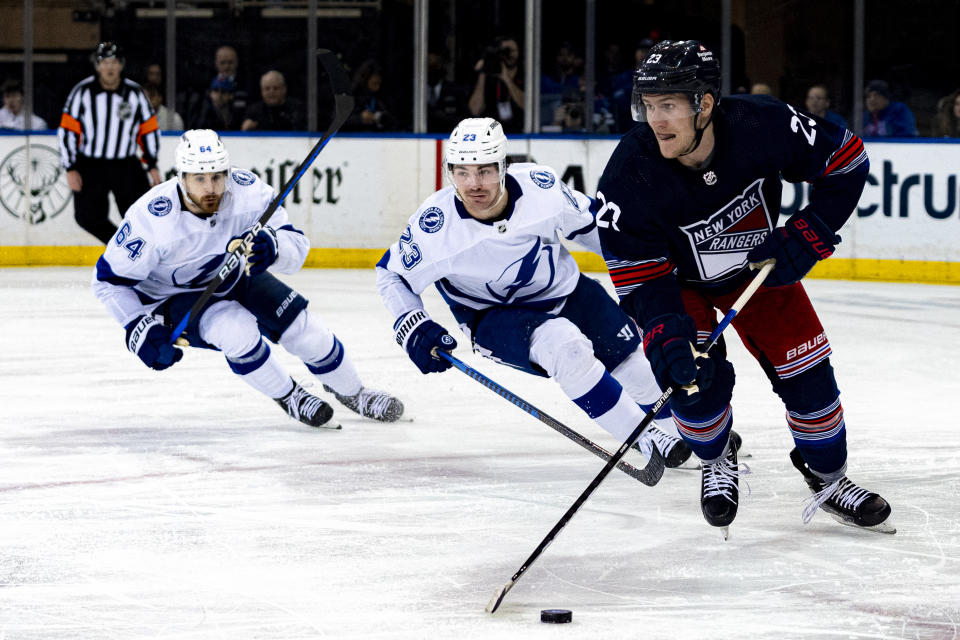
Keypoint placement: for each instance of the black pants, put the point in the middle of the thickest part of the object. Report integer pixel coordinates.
(125, 178)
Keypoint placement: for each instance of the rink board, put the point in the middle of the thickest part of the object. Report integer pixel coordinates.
(358, 195)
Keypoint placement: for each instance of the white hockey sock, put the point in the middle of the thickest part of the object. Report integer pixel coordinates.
(637, 379)
(567, 357)
(261, 369)
(233, 329)
(323, 353)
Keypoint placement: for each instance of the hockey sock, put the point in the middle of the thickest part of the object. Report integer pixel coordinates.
(707, 437)
(261, 370)
(323, 353)
(821, 438)
(636, 377)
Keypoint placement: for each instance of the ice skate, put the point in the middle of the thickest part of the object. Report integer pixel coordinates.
(845, 502)
(301, 405)
(673, 449)
(720, 490)
(371, 403)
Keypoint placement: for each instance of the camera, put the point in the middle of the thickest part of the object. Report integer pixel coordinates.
(492, 57)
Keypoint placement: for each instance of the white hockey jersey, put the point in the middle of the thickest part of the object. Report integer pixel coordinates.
(516, 260)
(161, 249)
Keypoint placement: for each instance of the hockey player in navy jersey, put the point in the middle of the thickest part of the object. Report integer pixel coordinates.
(490, 242)
(172, 244)
(687, 203)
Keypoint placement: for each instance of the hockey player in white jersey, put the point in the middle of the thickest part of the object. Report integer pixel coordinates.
(171, 245)
(490, 244)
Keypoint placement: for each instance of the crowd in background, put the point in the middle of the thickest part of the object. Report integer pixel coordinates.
(234, 101)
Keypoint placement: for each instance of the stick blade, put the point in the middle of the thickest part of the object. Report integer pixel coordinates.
(498, 597)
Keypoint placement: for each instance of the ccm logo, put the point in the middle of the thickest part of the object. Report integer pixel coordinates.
(809, 345)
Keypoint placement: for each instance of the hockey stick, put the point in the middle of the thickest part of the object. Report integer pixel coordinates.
(650, 475)
(498, 597)
(344, 107)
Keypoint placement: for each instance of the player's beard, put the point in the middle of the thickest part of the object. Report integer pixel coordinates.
(208, 205)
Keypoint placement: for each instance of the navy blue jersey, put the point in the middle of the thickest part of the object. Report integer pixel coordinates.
(663, 225)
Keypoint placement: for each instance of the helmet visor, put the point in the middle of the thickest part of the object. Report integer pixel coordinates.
(465, 176)
(657, 107)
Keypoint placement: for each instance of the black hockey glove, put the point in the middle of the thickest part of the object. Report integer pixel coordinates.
(150, 340)
(667, 343)
(797, 246)
(419, 336)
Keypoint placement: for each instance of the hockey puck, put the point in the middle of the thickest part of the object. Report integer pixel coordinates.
(556, 616)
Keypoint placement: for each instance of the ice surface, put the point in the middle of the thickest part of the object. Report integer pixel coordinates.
(137, 504)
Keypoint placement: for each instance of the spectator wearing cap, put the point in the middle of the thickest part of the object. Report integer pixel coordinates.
(275, 111)
(217, 111)
(886, 118)
(818, 104)
(12, 115)
(106, 120)
(227, 63)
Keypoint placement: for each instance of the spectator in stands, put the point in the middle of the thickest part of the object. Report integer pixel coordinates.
(570, 116)
(153, 75)
(498, 92)
(227, 63)
(564, 78)
(885, 117)
(621, 88)
(371, 113)
(818, 103)
(948, 116)
(167, 119)
(446, 100)
(12, 115)
(275, 111)
(761, 89)
(217, 111)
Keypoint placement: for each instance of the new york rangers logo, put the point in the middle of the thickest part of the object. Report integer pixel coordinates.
(721, 243)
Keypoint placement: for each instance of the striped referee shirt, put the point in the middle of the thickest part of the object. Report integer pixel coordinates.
(108, 124)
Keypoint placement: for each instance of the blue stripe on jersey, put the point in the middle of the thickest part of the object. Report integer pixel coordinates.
(290, 227)
(587, 229)
(105, 274)
(384, 260)
(601, 398)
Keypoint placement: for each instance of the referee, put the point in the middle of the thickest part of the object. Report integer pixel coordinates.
(105, 119)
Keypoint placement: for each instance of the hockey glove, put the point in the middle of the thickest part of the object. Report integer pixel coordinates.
(668, 344)
(261, 252)
(419, 336)
(150, 340)
(796, 246)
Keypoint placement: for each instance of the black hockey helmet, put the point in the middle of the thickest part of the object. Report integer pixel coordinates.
(676, 66)
(107, 50)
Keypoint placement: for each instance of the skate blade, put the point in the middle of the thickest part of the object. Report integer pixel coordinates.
(331, 426)
(885, 527)
(725, 532)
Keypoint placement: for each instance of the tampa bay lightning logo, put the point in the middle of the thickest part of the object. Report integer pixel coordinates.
(197, 276)
(160, 206)
(431, 220)
(243, 178)
(542, 178)
(534, 267)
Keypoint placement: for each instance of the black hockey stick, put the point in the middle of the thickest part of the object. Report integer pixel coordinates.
(498, 597)
(344, 107)
(650, 475)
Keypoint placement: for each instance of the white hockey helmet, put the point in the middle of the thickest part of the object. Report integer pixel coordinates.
(477, 141)
(201, 151)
